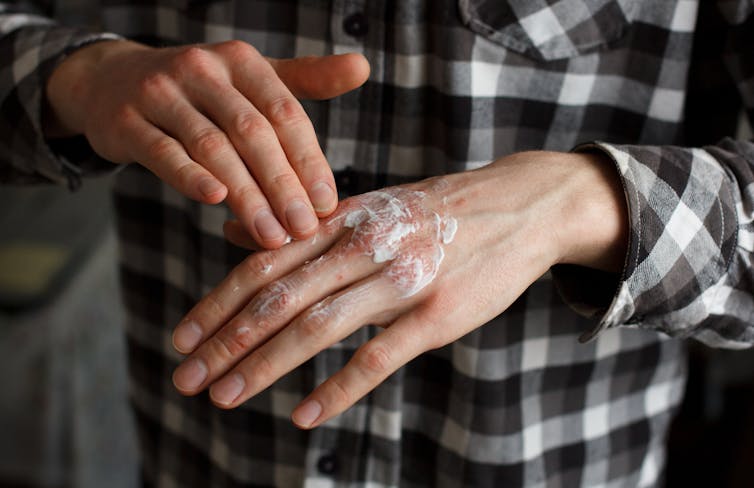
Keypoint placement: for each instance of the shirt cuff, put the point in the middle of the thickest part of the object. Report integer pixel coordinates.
(37, 50)
(682, 234)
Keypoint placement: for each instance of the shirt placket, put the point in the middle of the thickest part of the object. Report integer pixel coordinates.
(354, 125)
(337, 455)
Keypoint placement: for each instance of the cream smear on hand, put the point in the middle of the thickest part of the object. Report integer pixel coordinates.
(394, 225)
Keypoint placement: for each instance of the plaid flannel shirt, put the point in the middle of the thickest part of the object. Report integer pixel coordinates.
(455, 83)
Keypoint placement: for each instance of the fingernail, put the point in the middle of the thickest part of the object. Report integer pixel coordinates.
(186, 336)
(306, 414)
(227, 389)
(190, 374)
(210, 186)
(322, 196)
(268, 227)
(300, 217)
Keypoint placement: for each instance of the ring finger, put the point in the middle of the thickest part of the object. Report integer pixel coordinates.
(323, 324)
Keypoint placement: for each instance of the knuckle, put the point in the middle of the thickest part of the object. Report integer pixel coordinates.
(264, 328)
(236, 340)
(161, 149)
(285, 181)
(285, 111)
(155, 87)
(260, 264)
(310, 158)
(191, 57)
(125, 115)
(237, 49)
(276, 299)
(196, 63)
(208, 142)
(218, 349)
(339, 392)
(316, 323)
(214, 306)
(249, 125)
(263, 367)
(243, 195)
(373, 359)
(186, 175)
(281, 301)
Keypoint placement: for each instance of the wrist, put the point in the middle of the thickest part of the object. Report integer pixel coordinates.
(594, 218)
(69, 88)
(571, 206)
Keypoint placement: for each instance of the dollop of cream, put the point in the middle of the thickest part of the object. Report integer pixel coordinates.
(395, 225)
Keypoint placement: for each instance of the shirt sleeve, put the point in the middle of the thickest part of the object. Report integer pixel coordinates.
(689, 270)
(32, 45)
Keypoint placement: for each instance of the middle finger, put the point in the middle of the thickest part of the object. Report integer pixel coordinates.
(210, 147)
(327, 322)
(268, 312)
(259, 144)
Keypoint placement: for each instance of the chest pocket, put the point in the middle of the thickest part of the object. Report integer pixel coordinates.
(549, 30)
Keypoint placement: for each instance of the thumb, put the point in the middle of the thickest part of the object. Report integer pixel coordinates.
(320, 77)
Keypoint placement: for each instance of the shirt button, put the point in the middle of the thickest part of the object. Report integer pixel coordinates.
(328, 464)
(356, 25)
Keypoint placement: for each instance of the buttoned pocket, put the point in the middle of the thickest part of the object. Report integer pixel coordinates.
(549, 30)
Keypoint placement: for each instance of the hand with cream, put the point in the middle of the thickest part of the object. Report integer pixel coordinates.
(429, 262)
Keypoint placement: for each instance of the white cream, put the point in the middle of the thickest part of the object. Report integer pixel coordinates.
(273, 300)
(449, 229)
(384, 221)
(393, 225)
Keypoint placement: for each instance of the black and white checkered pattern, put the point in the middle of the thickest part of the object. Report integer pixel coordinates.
(454, 84)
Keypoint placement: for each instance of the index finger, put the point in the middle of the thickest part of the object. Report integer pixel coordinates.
(260, 83)
(321, 325)
(242, 283)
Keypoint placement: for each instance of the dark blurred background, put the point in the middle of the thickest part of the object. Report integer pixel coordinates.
(64, 415)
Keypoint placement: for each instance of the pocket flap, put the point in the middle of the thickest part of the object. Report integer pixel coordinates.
(548, 30)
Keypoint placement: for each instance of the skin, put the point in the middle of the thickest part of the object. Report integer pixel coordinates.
(216, 121)
(515, 219)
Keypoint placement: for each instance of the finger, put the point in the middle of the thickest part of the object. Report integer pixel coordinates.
(236, 234)
(275, 306)
(259, 82)
(324, 324)
(210, 146)
(244, 282)
(255, 136)
(322, 77)
(372, 363)
(168, 160)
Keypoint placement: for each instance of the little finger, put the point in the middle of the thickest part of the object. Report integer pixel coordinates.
(235, 291)
(271, 309)
(372, 363)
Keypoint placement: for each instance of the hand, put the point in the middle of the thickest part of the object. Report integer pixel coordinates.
(212, 121)
(429, 262)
